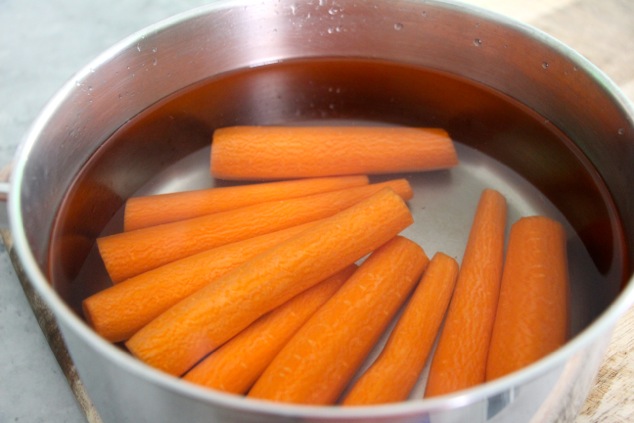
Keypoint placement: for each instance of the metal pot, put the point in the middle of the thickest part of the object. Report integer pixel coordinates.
(530, 115)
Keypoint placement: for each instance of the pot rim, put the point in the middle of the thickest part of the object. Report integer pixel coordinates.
(602, 325)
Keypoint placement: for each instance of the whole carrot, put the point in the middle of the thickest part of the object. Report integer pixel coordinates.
(141, 212)
(532, 315)
(129, 253)
(395, 371)
(318, 362)
(116, 313)
(189, 330)
(460, 358)
(272, 152)
(236, 365)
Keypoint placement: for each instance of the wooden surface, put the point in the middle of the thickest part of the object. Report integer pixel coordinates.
(612, 399)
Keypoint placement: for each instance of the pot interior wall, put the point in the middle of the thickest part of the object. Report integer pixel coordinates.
(143, 156)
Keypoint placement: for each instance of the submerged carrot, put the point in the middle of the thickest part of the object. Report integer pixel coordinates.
(272, 152)
(186, 332)
(460, 358)
(318, 362)
(532, 316)
(141, 212)
(395, 371)
(128, 254)
(236, 365)
(116, 313)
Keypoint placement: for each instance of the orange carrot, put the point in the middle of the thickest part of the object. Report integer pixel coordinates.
(460, 358)
(236, 365)
(141, 212)
(116, 313)
(318, 362)
(395, 371)
(277, 152)
(129, 253)
(532, 316)
(189, 330)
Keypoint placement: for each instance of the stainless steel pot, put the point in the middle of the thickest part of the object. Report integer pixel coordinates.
(531, 116)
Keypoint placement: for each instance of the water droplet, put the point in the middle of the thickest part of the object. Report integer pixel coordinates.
(155, 49)
(621, 131)
(154, 61)
(477, 42)
(293, 9)
(138, 47)
(545, 65)
(330, 30)
(398, 26)
(333, 11)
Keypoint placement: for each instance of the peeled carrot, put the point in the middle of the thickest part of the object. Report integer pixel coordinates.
(460, 358)
(141, 212)
(116, 313)
(194, 327)
(532, 316)
(395, 371)
(236, 365)
(318, 362)
(272, 152)
(128, 254)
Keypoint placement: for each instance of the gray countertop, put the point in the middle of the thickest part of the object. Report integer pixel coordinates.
(43, 43)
